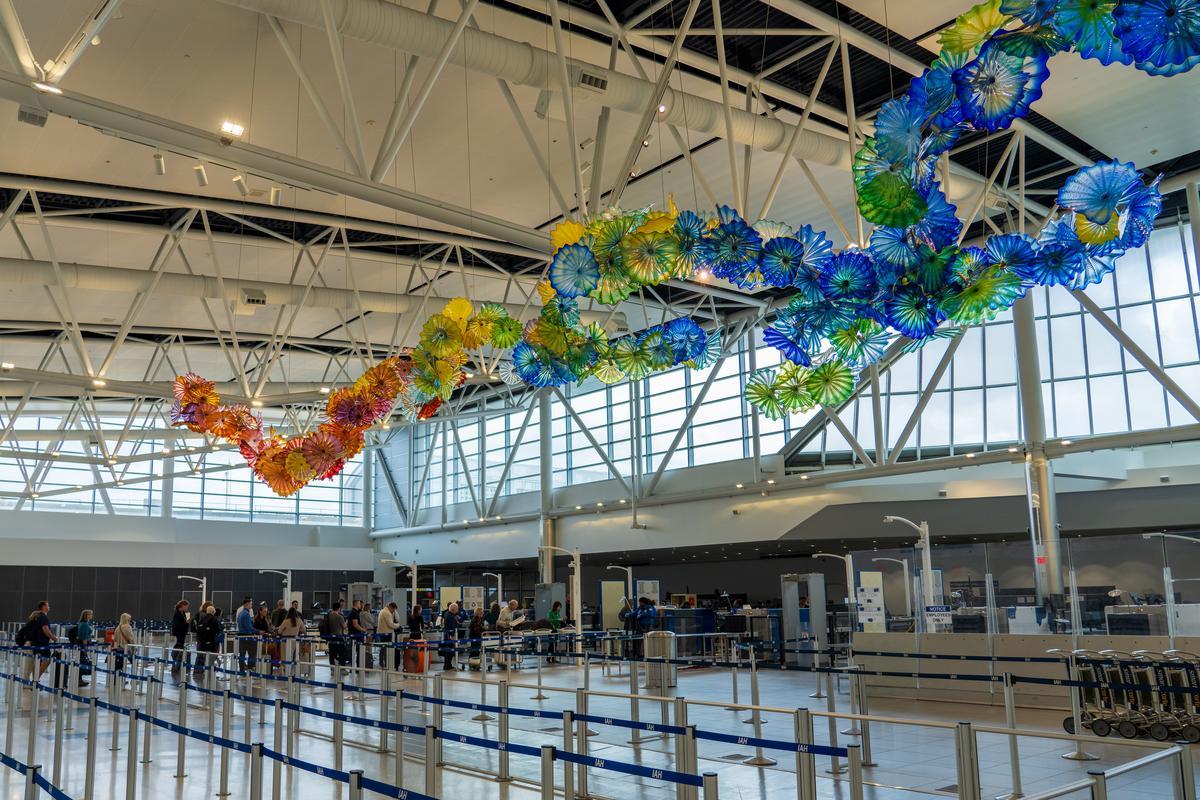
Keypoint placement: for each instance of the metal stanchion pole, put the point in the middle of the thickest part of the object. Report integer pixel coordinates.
(89, 779)
(226, 723)
(710, 786)
(968, 762)
(581, 735)
(681, 757)
(806, 762)
(293, 716)
(73, 679)
(339, 703)
(115, 697)
(151, 710)
(835, 764)
(568, 747)
(31, 788)
(31, 748)
(56, 771)
(539, 695)
(759, 759)
(502, 693)
(865, 723)
(398, 767)
(634, 705)
(385, 686)
(818, 694)
(547, 772)
(356, 790)
(1014, 748)
(483, 716)
(1078, 754)
(854, 757)
(182, 738)
(276, 766)
(431, 760)
(131, 756)
(256, 773)
(14, 700)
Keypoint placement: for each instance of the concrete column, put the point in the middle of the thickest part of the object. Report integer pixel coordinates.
(1044, 511)
(547, 523)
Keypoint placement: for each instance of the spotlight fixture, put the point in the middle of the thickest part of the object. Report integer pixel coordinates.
(112, 461)
(276, 195)
(166, 451)
(649, 138)
(662, 108)
(232, 128)
(1066, 441)
(579, 508)
(256, 403)
(48, 88)
(240, 183)
(7, 365)
(740, 485)
(201, 175)
(970, 455)
(803, 477)
(99, 382)
(160, 164)
(599, 505)
(34, 495)
(324, 390)
(55, 453)
(1013, 449)
(770, 481)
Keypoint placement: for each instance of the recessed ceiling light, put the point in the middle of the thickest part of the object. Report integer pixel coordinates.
(324, 390)
(599, 505)
(740, 485)
(7, 365)
(803, 477)
(579, 508)
(48, 88)
(232, 128)
(662, 108)
(623, 501)
(770, 481)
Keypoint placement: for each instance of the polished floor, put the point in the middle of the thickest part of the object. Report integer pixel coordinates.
(911, 760)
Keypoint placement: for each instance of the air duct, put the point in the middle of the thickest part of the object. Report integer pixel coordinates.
(391, 25)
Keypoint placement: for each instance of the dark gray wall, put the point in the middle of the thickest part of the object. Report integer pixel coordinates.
(144, 592)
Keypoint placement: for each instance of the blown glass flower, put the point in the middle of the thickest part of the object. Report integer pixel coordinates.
(972, 29)
(997, 87)
(849, 276)
(633, 360)
(533, 366)
(1091, 27)
(780, 259)
(711, 352)
(1058, 263)
(940, 226)
(1145, 204)
(912, 312)
(831, 383)
(1096, 191)
(648, 256)
(506, 332)
(687, 339)
(615, 283)
(891, 246)
(791, 387)
(322, 451)
(732, 248)
(889, 199)
(574, 271)
(763, 394)
(861, 343)
(441, 335)
(791, 340)
(1011, 251)
(1163, 34)
(898, 128)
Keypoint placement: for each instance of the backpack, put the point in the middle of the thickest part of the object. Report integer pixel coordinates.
(323, 626)
(23, 635)
(73, 634)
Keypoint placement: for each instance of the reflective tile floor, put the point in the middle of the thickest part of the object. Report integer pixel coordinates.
(911, 760)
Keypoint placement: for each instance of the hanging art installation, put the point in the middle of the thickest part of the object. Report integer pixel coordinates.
(912, 279)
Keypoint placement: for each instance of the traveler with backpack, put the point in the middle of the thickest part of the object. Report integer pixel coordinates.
(84, 632)
(333, 630)
(37, 634)
(122, 638)
(208, 635)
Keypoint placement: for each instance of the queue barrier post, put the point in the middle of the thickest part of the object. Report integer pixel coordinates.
(568, 747)
(115, 696)
(819, 694)
(398, 767)
(502, 701)
(482, 716)
(13, 695)
(385, 685)
(31, 787)
(1099, 784)
(256, 771)
(967, 761)
(293, 717)
(356, 789)
(681, 757)
(73, 680)
(835, 763)
(634, 704)
(581, 735)
(437, 707)
(854, 758)
(1187, 771)
(806, 762)
(276, 766)
(339, 703)
(692, 763)
(710, 786)
(431, 760)
(854, 729)
(760, 758)
(865, 723)
(31, 745)
(58, 734)
(1014, 748)
(540, 695)
(152, 694)
(547, 772)
(131, 756)
(226, 724)
(1078, 754)
(89, 778)
(181, 745)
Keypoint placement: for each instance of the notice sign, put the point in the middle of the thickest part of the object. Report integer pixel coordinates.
(937, 615)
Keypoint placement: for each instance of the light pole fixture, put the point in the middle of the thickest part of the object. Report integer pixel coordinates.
(628, 581)
(908, 609)
(851, 594)
(576, 590)
(923, 544)
(287, 582)
(203, 585)
(412, 570)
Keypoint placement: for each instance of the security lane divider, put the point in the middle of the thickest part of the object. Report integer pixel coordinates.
(950, 657)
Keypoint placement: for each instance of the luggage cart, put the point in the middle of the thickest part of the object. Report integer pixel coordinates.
(1096, 711)
(1183, 672)
(1133, 706)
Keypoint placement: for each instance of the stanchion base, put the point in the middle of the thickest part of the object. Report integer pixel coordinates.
(1010, 796)
(750, 721)
(482, 718)
(654, 737)
(818, 695)
(759, 761)
(851, 731)
(837, 771)
(1079, 755)
(540, 696)
(591, 732)
(869, 764)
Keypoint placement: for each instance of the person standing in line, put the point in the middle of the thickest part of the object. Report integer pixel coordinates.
(450, 635)
(246, 634)
(385, 629)
(179, 629)
(366, 620)
(355, 630)
(510, 617)
(40, 637)
(264, 628)
(475, 629)
(416, 624)
(278, 615)
(335, 631)
(85, 632)
(122, 638)
(554, 617)
(208, 635)
(492, 616)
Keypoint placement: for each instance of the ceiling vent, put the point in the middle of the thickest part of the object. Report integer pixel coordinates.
(31, 115)
(592, 80)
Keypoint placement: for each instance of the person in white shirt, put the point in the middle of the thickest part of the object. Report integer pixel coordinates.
(386, 626)
(510, 617)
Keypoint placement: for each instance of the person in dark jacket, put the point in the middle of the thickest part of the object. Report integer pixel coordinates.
(335, 631)
(179, 629)
(475, 629)
(416, 623)
(208, 635)
(450, 635)
(628, 617)
(492, 616)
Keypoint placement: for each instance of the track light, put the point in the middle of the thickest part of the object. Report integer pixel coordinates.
(276, 195)
(7, 365)
(99, 382)
(324, 390)
(240, 183)
(160, 164)
(662, 108)
(232, 128)
(48, 88)
(201, 175)
(256, 403)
